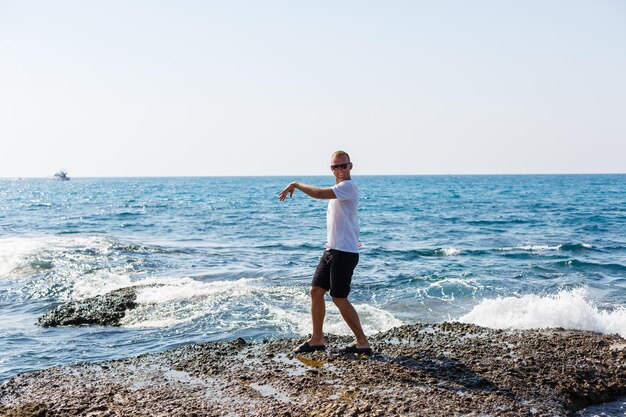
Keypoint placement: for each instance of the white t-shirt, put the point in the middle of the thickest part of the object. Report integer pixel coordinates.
(342, 223)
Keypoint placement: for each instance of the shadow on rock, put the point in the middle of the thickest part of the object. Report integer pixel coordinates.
(448, 373)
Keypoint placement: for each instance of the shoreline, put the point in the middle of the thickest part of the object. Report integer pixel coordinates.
(422, 369)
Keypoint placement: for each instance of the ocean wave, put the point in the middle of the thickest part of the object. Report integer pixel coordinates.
(572, 247)
(21, 256)
(128, 247)
(575, 263)
(13, 253)
(498, 222)
(448, 251)
(24, 256)
(569, 309)
(99, 283)
(528, 248)
(125, 214)
(288, 247)
(62, 268)
(228, 306)
(448, 288)
(410, 254)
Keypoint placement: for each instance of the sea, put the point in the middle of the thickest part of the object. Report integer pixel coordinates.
(502, 251)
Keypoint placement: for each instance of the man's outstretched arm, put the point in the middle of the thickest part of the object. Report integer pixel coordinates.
(310, 190)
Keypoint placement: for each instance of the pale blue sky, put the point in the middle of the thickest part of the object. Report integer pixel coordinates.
(145, 88)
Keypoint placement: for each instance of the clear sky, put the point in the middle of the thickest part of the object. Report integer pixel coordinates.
(160, 88)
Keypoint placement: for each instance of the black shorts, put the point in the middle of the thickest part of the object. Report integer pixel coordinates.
(334, 272)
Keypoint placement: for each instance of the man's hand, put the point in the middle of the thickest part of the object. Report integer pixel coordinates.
(310, 190)
(289, 190)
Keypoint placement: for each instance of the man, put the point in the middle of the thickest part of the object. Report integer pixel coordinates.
(334, 272)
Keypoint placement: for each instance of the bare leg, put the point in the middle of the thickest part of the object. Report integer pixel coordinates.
(351, 317)
(318, 312)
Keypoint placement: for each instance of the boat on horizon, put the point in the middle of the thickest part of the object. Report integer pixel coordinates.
(61, 176)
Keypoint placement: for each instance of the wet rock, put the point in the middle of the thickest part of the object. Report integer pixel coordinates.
(440, 369)
(105, 310)
(24, 410)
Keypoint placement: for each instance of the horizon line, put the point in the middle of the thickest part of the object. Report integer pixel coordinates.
(317, 175)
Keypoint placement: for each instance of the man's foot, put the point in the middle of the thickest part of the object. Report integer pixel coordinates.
(353, 348)
(306, 347)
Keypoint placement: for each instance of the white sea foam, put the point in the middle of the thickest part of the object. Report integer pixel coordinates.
(569, 309)
(99, 283)
(231, 305)
(584, 245)
(448, 288)
(528, 247)
(373, 320)
(450, 251)
(64, 267)
(16, 253)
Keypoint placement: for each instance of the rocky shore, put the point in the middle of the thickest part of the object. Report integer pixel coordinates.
(442, 369)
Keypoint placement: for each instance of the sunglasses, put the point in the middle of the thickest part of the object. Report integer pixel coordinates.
(339, 166)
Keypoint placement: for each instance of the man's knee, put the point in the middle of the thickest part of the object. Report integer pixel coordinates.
(340, 301)
(317, 292)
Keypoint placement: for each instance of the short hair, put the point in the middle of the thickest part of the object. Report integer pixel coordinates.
(340, 153)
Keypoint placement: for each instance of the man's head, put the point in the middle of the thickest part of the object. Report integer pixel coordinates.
(340, 165)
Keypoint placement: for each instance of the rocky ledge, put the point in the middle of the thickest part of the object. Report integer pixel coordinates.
(104, 310)
(442, 369)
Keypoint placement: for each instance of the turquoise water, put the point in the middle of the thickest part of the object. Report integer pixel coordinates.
(500, 251)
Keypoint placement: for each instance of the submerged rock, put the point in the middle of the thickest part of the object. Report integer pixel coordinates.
(440, 369)
(105, 310)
